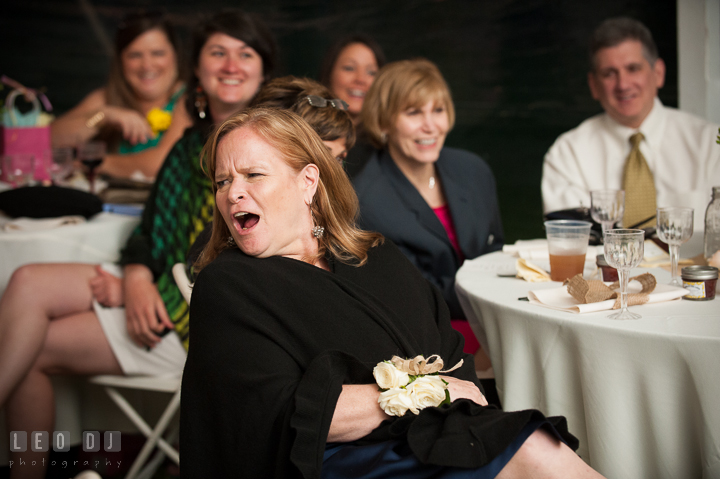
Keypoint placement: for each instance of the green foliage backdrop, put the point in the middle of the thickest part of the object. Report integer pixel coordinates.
(517, 68)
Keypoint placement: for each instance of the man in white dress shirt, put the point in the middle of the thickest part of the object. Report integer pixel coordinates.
(678, 148)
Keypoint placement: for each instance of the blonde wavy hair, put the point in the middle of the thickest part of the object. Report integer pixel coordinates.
(334, 206)
(399, 86)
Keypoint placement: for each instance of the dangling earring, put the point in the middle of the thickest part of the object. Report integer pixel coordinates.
(231, 242)
(383, 138)
(317, 231)
(200, 102)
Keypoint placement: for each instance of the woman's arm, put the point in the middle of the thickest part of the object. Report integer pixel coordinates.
(149, 161)
(356, 414)
(71, 128)
(144, 308)
(83, 122)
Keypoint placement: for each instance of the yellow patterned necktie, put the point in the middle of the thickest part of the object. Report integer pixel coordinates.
(639, 186)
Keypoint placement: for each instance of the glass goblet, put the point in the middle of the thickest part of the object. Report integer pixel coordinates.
(624, 249)
(674, 227)
(91, 155)
(607, 207)
(62, 164)
(19, 169)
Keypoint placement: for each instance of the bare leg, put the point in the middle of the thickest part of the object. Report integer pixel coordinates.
(36, 295)
(543, 456)
(74, 345)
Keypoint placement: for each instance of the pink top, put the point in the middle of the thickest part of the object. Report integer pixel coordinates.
(443, 214)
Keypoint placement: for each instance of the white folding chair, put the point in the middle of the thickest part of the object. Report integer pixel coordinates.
(156, 437)
(181, 279)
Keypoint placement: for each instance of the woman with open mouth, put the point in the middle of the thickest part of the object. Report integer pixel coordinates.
(291, 316)
(84, 319)
(438, 204)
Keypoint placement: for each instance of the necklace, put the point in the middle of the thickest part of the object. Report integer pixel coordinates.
(431, 183)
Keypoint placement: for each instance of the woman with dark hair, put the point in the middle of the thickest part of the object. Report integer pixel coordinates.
(348, 70)
(294, 306)
(235, 84)
(90, 321)
(144, 83)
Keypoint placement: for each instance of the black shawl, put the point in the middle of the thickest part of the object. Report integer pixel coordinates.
(275, 339)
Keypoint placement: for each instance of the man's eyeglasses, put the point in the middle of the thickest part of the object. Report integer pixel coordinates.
(321, 102)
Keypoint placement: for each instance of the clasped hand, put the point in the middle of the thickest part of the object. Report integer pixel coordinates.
(134, 126)
(107, 288)
(145, 311)
(460, 389)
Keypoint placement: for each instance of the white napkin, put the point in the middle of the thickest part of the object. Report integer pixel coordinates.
(526, 248)
(34, 224)
(530, 272)
(559, 298)
(654, 256)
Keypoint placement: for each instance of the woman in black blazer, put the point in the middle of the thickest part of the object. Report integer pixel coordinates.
(438, 204)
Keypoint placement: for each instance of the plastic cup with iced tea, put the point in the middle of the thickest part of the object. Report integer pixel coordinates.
(567, 245)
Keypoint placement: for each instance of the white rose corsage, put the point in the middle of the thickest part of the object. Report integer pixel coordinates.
(411, 384)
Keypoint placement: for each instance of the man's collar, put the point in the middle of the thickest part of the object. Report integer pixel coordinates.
(651, 127)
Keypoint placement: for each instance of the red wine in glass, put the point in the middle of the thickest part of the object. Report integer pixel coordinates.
(91, 155)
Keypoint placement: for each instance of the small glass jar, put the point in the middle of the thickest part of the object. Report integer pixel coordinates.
(609, 274)
(701, 281)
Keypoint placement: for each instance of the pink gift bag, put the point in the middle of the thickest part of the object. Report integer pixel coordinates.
(34, 140)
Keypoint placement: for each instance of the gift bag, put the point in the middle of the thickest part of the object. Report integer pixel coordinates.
(21, 135)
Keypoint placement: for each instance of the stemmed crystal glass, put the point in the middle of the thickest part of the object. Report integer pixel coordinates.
(607, 207)
(91, 155)
(61, 164)
(674, 227)
(624, 249)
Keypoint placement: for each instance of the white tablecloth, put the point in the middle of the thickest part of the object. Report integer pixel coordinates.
(643, 396)
(99, 240)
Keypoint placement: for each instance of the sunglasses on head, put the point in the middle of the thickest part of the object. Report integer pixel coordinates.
(321, 102)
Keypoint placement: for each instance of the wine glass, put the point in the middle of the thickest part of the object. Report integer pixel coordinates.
(674, 227)
(607, 207)
(62, 164)
(624, 249)
(19, 169)
(91, 155)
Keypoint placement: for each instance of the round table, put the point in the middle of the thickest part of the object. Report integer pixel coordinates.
(643, 396)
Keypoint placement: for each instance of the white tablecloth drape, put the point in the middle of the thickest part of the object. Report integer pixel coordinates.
(643, 396)
(96, 241)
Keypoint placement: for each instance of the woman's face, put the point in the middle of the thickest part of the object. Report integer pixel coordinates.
(418, 134)
(338, 149)
(263, 201)
(353, 73)
(149, 66)
(230, 72)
